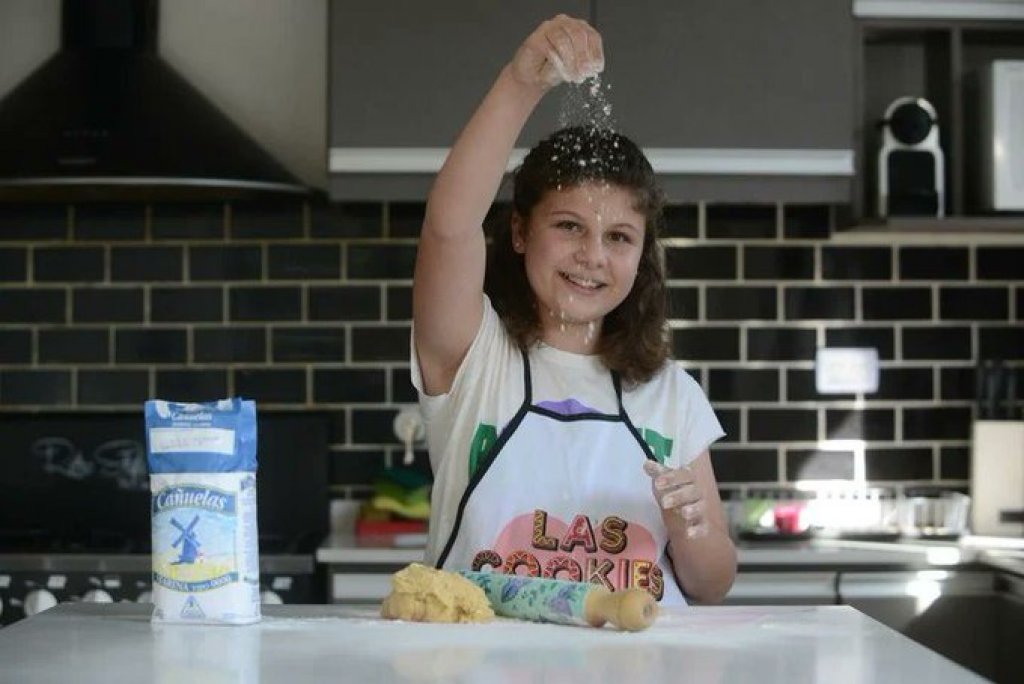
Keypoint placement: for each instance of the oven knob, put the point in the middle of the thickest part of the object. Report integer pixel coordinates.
(145, 597)
(271, 597)
(38, 600)
(97, 596)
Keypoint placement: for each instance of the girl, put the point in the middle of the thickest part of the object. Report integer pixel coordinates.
(563, 440)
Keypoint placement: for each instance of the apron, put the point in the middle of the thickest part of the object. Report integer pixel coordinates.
(565, 497)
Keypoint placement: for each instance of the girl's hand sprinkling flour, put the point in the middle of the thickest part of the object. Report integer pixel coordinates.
(562, 49)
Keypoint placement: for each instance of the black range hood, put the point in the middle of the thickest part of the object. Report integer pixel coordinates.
(107, 119)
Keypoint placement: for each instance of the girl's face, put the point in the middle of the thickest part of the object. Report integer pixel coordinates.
(582, 246)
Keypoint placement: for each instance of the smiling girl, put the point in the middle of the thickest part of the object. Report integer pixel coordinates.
(564, 441)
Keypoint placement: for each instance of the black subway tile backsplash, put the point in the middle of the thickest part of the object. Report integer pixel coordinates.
(897, 303)
(186, 304)
(954, 463)
(345, 303)
(706, 344)
(399, 303)
(225, 262)
(191, 385)
(15, 345)
(933, 263)
(110, 222)
(381, 261)
(813, 221)
(380, 344)
(800, 386)
(108, 305)
(35, 387)
(68, 264)
(683, 303)
(781, 344)
(308, 344)
(782, 425)
(150, 345)
(734, 464)
(730, 385)
(996, 342)
(271, 385)
(681, 220)
(350, 386)
(13, 264)
(778, 263)
(856, 263)
(816, 464)
(740, 303)
(880, 339)
(35, 222)
(346, 220)
(188, 221)
(146, 264)
(866, 424)
(309, 308)
(701, 262)
(943, 422)
(283, 303)
(905, 384)
(898, 464)
(405, 219)
(229, 345)
(1000, 263)
(742, 221)
(33, 306)
(117, 387)
(304, 262)
(974, 303)
(936, 343)
(74, 345)
(267, 220)
(820, 303)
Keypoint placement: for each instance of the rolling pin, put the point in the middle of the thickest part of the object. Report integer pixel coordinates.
(564, 602)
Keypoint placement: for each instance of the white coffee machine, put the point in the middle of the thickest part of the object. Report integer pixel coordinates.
(911, 168)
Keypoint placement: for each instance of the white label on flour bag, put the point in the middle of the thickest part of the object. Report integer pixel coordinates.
(202, 464)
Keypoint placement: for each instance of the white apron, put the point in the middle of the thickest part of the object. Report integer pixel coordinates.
(565, 497)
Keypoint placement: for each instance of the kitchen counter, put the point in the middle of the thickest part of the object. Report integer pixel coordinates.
(110, 643)
(816, 554)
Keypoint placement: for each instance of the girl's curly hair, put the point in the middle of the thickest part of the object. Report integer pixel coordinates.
(633, 338)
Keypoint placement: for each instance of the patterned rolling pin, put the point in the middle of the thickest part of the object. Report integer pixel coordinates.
(569, 603)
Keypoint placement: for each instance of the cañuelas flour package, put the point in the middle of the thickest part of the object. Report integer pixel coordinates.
(202, 474)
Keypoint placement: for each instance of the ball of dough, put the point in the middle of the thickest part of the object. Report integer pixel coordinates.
(422, 594)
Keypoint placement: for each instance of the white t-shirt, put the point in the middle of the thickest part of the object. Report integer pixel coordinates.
(670, 411)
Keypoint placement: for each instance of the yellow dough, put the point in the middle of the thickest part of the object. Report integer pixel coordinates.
(422, 594)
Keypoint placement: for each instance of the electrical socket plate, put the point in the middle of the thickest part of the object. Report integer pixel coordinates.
(846, 370)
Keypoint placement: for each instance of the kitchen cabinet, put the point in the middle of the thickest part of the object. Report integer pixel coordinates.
(935, 51)
(737, 84)
(787, 588)
(1009, 665)
(404, 78)
(951, 612)
(734, 100)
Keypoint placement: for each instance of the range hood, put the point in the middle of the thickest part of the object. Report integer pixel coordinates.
(107, 119)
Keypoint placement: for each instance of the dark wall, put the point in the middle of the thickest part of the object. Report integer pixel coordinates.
(308, 306)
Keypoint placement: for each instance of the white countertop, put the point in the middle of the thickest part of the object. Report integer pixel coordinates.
(111, 643)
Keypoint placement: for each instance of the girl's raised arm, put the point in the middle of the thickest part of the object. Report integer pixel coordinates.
(449, 278)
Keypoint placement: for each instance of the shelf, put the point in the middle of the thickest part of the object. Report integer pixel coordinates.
(951, 230)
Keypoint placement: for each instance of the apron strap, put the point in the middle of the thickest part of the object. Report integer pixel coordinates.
(617, 382)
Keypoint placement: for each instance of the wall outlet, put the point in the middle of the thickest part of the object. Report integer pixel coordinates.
(846, 370)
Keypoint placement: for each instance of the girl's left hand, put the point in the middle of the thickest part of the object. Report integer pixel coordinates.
(678, 495)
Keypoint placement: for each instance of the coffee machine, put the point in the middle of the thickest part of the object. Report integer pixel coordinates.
(911, 167)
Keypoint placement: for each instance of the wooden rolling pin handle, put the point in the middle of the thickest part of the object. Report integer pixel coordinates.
(631, 609)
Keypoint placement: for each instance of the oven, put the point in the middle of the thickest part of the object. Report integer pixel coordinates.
(75, 509)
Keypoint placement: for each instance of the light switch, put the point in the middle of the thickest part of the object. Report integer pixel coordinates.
(846, 370)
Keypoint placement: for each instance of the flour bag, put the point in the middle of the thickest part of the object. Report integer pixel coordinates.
(202, 474)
